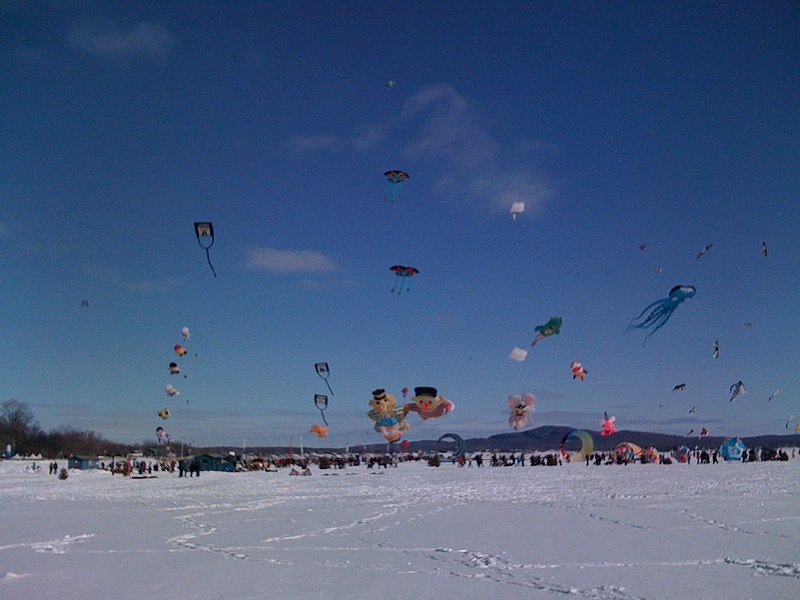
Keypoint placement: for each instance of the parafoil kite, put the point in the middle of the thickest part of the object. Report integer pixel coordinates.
(578, 371)
(395, 179)
(737, 389)
(171, 390)
(704, 250)
(608, 425)
(661, 310)
(552, 327)
(679, 388)
(428, 404)
(402, 272)
(732, 449)
(180, 350)
(321, 402)
(185, 333)
(323, 371)
(164, 413)
(389, 420)
(202, 231)
(518, 354)
(162, 436)
(587, 444)
(320, 431)
(460, 446)
(521, 405)
(517, 208)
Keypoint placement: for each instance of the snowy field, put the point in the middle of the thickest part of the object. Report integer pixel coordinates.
(668, 532)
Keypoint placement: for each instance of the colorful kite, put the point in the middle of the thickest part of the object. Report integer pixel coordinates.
(320, 431)
(552, 327)
(324, 372)
(171, 390)
(460, 446)
(205, 230)
(521, 405)
(162, 436)
(737, 389)
(180, 350)
(389, 420)
(578, 371)
(732, 449)
(661, 310)
(395, 179)
(321, 402)
(428, 404)
(174, 369)
(518, 354)
(517, 208)
(164, 413)
(402, 273)
(628, 451)
(587, 444)
(608, 425)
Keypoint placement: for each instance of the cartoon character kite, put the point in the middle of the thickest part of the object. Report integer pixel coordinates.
(164, 413)
(521, 405)
(389, 420)
(578, 371)
(608, 425)
(171, 390)
(185, 333)
(162, 436)
(180, 350)
(661, 310)
(428, 404)
(552, 327)
(320, 431)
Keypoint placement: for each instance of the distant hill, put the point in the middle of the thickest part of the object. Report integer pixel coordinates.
(549, 437)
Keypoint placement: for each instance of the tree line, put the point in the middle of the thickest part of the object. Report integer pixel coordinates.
(18, 428)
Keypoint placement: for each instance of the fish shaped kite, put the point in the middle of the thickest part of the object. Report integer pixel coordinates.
(737, 389)
(656, 315)
(578, 371)
(552, 327)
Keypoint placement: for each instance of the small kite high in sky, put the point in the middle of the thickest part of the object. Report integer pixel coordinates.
(772, 395)
(656, 315)
(703, 251)
(517, 208)
(518, 354)
(679, 388)
(578, 371)
(324, 372)
(521, 405)
(185, 333)
(171, 390)
(715, 353)
(552, 327)
(764, 249)
(164, 413)
(205, 230)
(737, 389)
(391, 83)
(84, 304)
(402, 272)
(395, 179)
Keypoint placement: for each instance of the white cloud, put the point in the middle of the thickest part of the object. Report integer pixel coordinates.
(274, 260)
(148, 40)
(442, 128)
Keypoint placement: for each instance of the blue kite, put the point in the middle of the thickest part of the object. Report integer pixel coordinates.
(656, 315)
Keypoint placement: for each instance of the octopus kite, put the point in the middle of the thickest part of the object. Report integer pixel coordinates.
(402, 272)
(552, 327)
(656, 315)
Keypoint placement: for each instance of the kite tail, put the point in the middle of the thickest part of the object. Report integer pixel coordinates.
(322, 412)
(329, 389)
(208, 257)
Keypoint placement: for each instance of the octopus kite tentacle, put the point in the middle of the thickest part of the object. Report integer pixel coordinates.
(656, 315)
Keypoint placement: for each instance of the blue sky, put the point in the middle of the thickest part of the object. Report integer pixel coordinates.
(618, 124)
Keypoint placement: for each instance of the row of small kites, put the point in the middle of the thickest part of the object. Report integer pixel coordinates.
(171, 391)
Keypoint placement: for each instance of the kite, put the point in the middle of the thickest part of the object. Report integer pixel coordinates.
(174, 369)
(715, 354)
(587, 444)
(180, 350)
(391, 83)
(185, 333)
(320, 431)
(428, 404)
(693, 410)
(679, 388)
(703, 251)
(642, 247)
(460, 446)
(403, 273)
(205, 230)
(518, 354)
(517, 208)
(659, 269)
(389, 420)
(662, 310)
(163, 436)
(578, 371)
(324, 372)
(691, 431)
(732, 449)
(395, 179)
(681, 454)
(772, 395)
(405, 392)
(164, 413)
(608, 425)
(84, 304)
(764, 249)
(737, 389)
(521, 406)
(553, 326)
(321, 402)
(628, 451)
(789, 420)
(703, 432)
(171, 390)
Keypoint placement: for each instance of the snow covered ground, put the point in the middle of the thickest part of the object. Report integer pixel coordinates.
(668, 532)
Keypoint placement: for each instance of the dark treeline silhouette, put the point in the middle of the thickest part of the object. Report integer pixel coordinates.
(19, 429)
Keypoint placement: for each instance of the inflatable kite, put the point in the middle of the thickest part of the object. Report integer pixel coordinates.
(460, 446)
(180, 350)
(402, 273)
(205, 230)
(164, 413)
(185, 333)
(321, 402)
(517, 208)
(681, 454)
(174, 369)
(732, 449)
(608, 425)
(162, 436)
(389, 420)
(518, 354)
(428, 404)
(324, 372)
(395, 179)
(578, 371)
(320, 431)
(737, 389)
(171, 390)
(521, 406)
(552, 327)
(628, 451)
(656, 315)
(587, 444)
